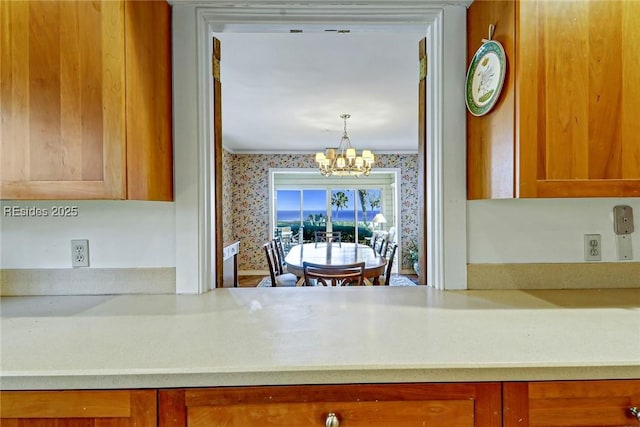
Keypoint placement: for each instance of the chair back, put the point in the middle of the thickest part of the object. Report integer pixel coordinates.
(390, 255)
(380, 246)
(271, 261)
(333, 275)
(328, 236)
(374, 239)
(279, 252)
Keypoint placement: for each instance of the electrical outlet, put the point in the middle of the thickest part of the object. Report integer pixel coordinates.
(592, 249)
(80, 253)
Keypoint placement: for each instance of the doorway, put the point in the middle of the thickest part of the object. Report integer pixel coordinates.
(444, 115)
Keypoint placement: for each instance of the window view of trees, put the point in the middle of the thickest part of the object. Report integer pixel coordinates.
(347, 210)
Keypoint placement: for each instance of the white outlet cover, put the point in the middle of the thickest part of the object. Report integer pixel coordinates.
(80, 253)
(592, 247)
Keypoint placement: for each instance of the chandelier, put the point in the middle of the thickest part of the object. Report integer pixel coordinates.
(343, 160)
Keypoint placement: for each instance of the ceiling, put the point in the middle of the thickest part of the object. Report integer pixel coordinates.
(285, 92)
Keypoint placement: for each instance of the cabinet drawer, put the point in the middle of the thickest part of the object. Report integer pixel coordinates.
(104, 408)
(450, 413)
(571, 403)
(352, 405)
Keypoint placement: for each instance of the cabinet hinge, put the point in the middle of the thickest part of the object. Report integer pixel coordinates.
(423, 67)
(215, 67)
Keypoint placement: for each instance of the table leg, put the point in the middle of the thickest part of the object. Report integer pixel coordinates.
(376, 281)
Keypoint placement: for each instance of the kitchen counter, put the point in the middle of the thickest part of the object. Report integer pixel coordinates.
(255, 336)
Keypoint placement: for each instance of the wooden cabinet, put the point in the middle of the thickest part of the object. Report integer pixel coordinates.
(85, 100)
(566, 124)
(510, 404)
(571, 403)
(434, 405)
(112, 408)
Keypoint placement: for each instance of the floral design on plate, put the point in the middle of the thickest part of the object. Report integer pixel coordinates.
(485, 78)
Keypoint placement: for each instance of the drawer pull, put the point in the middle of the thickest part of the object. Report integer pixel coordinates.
(332, 420)
(635, 411)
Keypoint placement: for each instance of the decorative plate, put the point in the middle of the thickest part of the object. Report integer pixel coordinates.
(485, 77)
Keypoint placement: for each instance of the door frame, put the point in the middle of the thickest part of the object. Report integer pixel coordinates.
(445, 28)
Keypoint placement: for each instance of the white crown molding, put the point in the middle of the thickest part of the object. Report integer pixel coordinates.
(307, 152)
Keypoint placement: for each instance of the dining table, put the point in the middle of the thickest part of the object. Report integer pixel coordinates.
(334, 253)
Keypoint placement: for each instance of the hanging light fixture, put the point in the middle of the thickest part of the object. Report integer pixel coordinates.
(343, 160)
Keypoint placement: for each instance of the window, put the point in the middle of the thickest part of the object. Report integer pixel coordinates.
(308, 201)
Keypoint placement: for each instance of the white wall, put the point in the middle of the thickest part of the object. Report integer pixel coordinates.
(122, 234)
(544, 230)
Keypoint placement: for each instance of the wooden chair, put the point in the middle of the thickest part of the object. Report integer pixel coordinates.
(279, 251)
(333, 275)
(380, 246)
(328, 237)
(285, 237)
(390, 254)
(374, 240)
(277, 277)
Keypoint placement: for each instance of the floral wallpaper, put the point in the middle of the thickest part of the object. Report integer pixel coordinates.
(227, 196)
(250, 197)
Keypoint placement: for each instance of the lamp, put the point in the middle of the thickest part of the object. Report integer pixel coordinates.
(379, 219)
(343, 160)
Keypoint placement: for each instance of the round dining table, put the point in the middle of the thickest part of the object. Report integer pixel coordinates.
(336, 254)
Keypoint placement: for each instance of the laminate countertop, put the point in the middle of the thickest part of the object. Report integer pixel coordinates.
(260, 336)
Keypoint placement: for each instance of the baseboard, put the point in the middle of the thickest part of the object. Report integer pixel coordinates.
(87, 281)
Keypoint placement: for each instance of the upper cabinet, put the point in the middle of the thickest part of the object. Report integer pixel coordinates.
(85, 100)
(567, 123)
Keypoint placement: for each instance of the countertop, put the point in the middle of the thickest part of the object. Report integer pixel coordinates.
(256, 336)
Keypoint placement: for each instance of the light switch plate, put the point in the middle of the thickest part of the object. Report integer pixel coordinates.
(623, 219)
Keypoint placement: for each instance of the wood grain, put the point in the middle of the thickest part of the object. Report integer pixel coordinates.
(62, 99)
(490, 138)
(68, 71)
(148, 100)
(576, 101)
(528, 167)
(218, 172)
(73, 408)
(172, 410)
(14, 91)
(630, 109)
(580, 134)
(361, 404)
(605, 91)
(571, 403)
(65, 404)
(435, 413)
(515, 404)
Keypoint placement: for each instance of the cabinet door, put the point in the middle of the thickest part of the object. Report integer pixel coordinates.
(62, 127)
(571, 403)
(578, 98)
(491, 138)
(434, 405)
(113, 408)
(148, 100)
